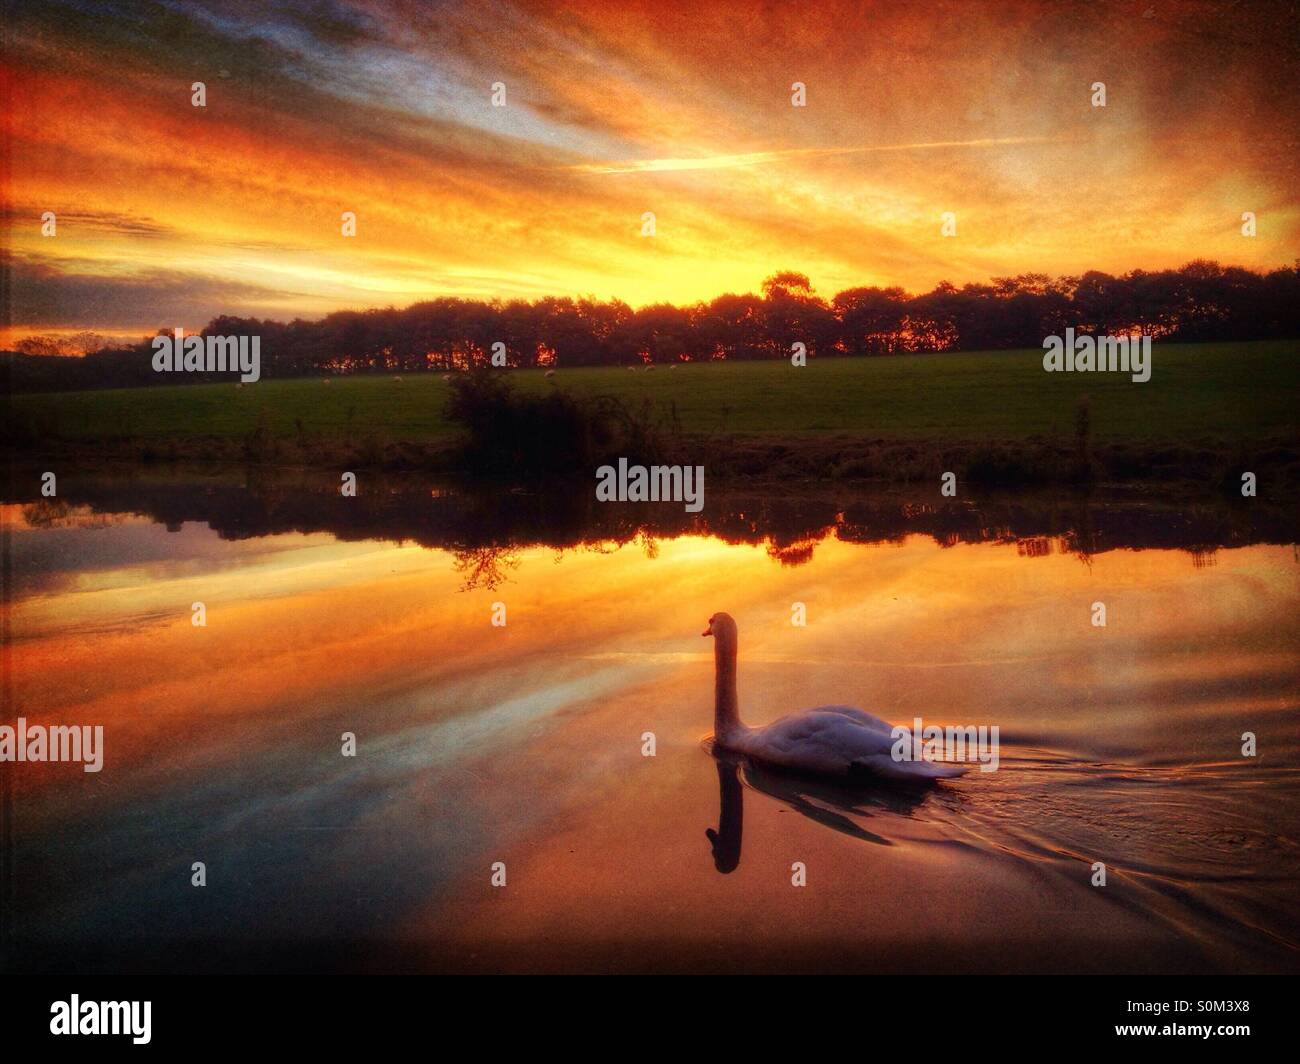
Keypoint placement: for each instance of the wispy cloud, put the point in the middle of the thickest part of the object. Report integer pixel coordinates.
(728, 162)
(385, 110)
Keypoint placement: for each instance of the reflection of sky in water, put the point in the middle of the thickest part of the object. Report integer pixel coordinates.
(522, 744)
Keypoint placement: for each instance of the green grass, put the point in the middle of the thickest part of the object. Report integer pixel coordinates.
(1197, 391)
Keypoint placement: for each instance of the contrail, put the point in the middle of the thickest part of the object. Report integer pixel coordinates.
(726, 162)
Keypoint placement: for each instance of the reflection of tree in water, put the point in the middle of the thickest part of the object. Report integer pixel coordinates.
(795, 546)
(649, 544)
(58, 513)
(485, 567)
(1082, 543)
(792, 554)
(46, 513)
(644, 537)
(1034, 547)
(486, 530)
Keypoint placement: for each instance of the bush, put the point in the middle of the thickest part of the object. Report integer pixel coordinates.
(522, 438)
(260, 444)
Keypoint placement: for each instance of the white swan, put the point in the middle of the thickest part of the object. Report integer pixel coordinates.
(827, 740)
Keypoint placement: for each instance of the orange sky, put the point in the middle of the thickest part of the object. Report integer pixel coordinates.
(170, 214)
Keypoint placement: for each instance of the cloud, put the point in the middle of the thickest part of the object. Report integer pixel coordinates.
(44, 297)
(727, 162)
(98, 221)
(684, 110)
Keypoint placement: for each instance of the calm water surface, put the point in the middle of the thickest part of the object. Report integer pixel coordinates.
(523, 745)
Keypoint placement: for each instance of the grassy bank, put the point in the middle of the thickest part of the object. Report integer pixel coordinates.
(994, 417)
(1227, 392)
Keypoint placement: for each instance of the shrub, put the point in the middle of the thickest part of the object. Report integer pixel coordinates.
(511, 436)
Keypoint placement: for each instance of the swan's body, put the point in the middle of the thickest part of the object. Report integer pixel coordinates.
(826, 740)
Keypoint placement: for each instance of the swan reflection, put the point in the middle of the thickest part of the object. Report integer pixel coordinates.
(839, 806)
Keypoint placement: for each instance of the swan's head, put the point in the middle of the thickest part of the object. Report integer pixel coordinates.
(723, 628)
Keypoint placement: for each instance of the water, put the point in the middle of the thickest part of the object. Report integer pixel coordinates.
(523, 745)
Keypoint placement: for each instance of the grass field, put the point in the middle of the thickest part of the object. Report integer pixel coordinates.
(1222, 392)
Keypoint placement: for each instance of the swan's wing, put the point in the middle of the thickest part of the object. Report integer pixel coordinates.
(867, 720)
(840, 740)
(822, 740)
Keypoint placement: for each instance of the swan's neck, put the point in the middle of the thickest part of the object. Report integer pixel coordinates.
(726, 706)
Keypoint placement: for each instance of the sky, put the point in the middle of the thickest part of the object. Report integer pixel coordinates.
(169, 214)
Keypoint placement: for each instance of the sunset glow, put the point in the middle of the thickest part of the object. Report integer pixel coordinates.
(169, 214)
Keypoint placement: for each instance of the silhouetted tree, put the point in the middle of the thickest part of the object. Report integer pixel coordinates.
(1201, 301)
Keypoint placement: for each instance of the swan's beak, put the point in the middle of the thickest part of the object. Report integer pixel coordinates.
(708, 630)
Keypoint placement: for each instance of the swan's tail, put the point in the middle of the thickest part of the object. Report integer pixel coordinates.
(886, 767)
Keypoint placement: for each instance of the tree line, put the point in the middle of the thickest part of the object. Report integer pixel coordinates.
(1201, 301)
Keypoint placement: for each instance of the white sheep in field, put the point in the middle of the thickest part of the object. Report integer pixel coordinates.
(631, 369)
(550, 373)
(398, 379)
(650, 368)
(446, 376)
(325, 380)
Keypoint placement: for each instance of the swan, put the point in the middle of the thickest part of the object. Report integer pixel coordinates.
(825, 740)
